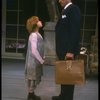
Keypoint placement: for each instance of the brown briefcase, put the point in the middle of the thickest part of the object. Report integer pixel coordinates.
(69, 72)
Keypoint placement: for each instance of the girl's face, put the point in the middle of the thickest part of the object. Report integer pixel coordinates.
(39, 24)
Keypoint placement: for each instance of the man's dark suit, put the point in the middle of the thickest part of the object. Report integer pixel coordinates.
(67, 41)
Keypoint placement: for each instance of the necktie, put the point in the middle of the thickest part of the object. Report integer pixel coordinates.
(62, 11)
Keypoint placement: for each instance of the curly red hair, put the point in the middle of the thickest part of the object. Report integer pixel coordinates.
(31, 23)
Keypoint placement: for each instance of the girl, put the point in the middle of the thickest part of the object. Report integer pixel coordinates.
(34, 56)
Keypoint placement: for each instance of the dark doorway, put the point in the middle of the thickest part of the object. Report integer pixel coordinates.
(38, 8)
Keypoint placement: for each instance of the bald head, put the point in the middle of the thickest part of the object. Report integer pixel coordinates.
(64, 2)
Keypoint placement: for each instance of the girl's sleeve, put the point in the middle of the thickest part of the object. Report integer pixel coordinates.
(35, 50)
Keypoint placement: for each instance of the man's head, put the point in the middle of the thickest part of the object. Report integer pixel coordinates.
(64, 2)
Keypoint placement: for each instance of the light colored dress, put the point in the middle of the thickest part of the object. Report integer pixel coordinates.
(34, 58)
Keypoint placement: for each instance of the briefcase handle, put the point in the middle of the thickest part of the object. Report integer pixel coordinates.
(68, 58)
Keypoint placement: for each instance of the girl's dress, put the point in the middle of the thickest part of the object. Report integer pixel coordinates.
(35, 53)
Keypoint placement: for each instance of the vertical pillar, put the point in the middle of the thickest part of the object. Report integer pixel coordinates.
(49, 41)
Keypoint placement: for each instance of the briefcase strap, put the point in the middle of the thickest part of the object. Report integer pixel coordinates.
(68, 65)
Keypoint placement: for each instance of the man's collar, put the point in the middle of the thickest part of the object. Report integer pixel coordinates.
(67, 5)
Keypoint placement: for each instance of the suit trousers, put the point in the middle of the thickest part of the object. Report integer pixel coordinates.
(67, 92)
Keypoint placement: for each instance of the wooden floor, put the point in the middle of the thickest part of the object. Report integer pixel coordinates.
(14, 87)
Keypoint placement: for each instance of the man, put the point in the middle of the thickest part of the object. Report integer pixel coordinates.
(67, 41)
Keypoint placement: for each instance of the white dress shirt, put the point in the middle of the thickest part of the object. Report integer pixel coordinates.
(67, 5)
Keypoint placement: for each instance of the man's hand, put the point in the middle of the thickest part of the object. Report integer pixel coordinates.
(69, 56)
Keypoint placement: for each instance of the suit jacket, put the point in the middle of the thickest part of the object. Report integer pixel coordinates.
(68, 31)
